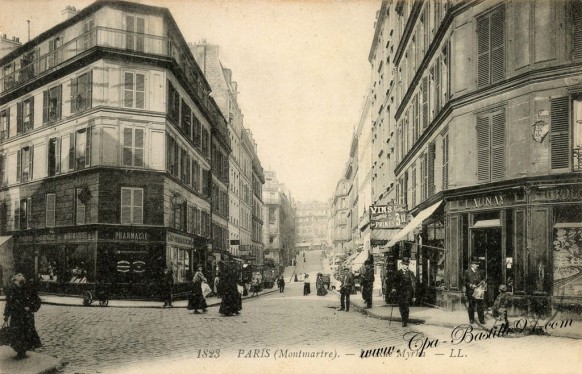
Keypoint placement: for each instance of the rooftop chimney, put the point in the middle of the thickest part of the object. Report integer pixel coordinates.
(68, 12)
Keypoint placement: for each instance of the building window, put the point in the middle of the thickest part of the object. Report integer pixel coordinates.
(133, 147)
(4, 124)
(413, 187)
(186, 119)
(445, 161)
(134, 38)
(171, 157)
(25, 115)
(88, 34)
(423, 177)
(205, 142)
(430, 156)
(173, 104)
(491, 146)
(54, 156)
(81, 92)
(491, 47)
(55, 55)
(24, 159)
(424, 102)
(80, 194)
(51, 202)
(52, 105)
(22, 215)
(577, 121)
(80, 149)
(576, 29)
(131, 205)
(134, 90)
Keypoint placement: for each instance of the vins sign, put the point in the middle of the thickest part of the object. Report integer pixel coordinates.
(387, 216)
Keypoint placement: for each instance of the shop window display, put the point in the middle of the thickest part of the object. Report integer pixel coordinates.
(66, 264)
(567, 245)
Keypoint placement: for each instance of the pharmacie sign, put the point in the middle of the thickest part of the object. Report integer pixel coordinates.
(387, 216)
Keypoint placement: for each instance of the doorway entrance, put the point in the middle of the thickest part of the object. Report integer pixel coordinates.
(487, 246)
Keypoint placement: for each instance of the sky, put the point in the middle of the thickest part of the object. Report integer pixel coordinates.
(301, 66)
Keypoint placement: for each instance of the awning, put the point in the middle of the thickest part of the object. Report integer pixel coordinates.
(4, 239)
(414, 223)
(359, 260)
(383, 234)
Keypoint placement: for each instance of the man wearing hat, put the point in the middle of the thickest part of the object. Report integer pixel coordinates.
(347, 284)
(404, 286)
(473, 278)
(367, 280)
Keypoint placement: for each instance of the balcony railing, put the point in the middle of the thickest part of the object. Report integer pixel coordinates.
(577, 162)
(33, 66)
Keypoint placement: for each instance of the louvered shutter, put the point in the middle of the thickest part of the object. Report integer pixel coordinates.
(127, 146)
(483, 52)
(18, 165)
(559, 133)
(29, 213)
(498, 145)
(576, 29)
(483, 147)
(45, 107)
(130, 27)
(58, 155)
(125, 205)
(137, 206)
(31, 123)
(140, 91)
(128, 90)
(88, 143)
(498, 45)
(424, 103)
(74, 95)
(445, 162)
(59, 101)
(30, 162)
(89, 93)
(72, 157)
(431, 157)
(19, 119)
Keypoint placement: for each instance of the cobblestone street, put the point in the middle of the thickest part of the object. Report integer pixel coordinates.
(93, 340)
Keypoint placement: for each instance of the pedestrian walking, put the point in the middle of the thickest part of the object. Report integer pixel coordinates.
(197, 300)
(216, 284)
(281, 283)
(320, 286)
(306, 285)
(231, 298)
(18, 331)
(367, 281)
(475, 291)
(347, 285)
(404, 287)
(167, 285)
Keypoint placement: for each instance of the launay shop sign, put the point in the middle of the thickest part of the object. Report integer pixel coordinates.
(479, 202)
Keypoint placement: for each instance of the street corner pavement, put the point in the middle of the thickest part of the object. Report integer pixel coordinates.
(34, 363)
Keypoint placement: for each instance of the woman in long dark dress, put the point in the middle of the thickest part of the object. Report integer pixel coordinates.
(197, 300)
(22, 301)
(231, 298)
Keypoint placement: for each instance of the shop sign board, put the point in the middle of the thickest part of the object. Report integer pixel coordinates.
(58, 237)
(481, 202)
(387, 216)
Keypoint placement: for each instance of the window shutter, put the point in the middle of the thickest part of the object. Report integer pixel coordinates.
(89, 93)
(445, 162)
(28, 213)
(17, 218)
(497, 45)
(45, 107)
(125, 205)
(483, 145)
(127, 146)
(30, 163)
(431, 157)
(559, 133)
(50, 210)
(137, 206)
(128, 90)
(72, 151)
(74, 94)
(31, 124)
(483, 52)
(59, 101)
(19, 120)
(576, 29)
(140, 91)
(424, 103)
(18, 165)
(88, 143)
(498, 145)
(58, 156)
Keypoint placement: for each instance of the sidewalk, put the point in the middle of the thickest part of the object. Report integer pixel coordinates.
(452, 319)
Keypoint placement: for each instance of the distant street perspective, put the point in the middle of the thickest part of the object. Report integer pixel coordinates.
(291, 186)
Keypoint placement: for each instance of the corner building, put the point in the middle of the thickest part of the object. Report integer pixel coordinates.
(107, 132)
(481, 108)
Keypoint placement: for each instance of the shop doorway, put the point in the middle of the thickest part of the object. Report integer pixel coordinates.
(487, 246)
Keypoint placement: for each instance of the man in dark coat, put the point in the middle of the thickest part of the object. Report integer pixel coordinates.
(367, 280)
(404, 287)
(473, 279)
(281, 283)
(347, 284)
(167, 285)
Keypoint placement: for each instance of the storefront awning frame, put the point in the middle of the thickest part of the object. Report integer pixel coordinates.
(415, 222)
